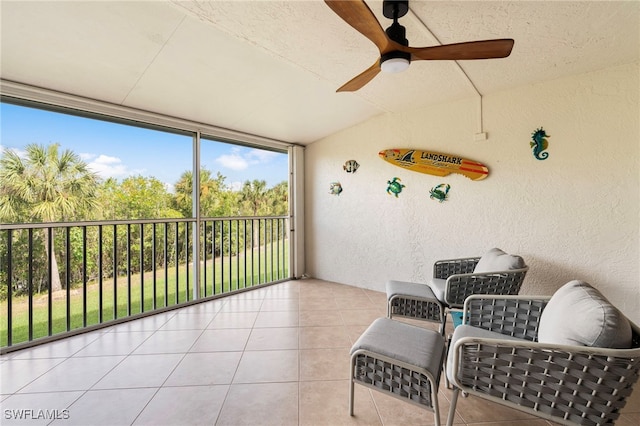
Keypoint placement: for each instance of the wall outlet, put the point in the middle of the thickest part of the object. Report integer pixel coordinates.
(481, 136)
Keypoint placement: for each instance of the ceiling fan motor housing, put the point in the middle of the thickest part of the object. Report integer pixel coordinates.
(394, 9)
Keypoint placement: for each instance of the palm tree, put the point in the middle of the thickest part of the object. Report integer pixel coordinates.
(254, 199)
(279, 198)
(45, 186)
(210, 193)
(254, 196)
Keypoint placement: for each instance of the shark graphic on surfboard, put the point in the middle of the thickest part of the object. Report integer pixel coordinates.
(434, 163)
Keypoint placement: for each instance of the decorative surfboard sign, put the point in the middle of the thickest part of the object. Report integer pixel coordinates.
(434, 163)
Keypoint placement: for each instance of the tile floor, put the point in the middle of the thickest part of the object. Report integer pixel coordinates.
(277, 355)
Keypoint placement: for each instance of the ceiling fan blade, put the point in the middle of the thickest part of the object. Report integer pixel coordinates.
(484, 49)
(361, 79)
(360, 17)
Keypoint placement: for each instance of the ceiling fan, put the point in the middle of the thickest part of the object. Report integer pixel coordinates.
(395, 52)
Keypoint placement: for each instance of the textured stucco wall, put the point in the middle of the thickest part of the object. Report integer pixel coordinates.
(575, 215)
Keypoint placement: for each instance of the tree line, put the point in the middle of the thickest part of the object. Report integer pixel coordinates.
(49, 184)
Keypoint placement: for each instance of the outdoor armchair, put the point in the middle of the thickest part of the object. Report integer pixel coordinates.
(572, 358)
(495, 272)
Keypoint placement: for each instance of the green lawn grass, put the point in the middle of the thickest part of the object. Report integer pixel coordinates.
(124, 296)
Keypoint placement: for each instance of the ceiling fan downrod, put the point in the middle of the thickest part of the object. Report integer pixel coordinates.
(395, 61)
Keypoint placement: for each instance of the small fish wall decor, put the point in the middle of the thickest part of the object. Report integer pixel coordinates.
(394, 186)
(540, 143)
(439, 192)
(335, 188)
(351, 166)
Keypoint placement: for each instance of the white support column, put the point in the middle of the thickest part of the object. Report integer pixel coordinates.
(296, 212)
(195, 197)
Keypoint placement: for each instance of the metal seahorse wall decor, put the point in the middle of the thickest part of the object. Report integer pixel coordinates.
(539, 144)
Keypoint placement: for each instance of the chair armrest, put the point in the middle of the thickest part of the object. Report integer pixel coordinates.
(547, 380)
(516, 316)
(444, 268)
(461, 286)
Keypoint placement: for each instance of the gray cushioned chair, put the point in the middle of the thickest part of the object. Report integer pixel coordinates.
(495, 272)
(572, 358)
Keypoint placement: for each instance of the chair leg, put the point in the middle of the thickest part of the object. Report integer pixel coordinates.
(351, 386)
(452, 409)
(436, 406)
(443, 324)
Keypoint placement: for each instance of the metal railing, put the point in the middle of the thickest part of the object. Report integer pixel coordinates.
(102, 273)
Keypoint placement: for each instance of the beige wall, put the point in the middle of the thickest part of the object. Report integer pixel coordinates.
(575, 215)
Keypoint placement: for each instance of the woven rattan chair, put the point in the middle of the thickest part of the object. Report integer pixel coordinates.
(495, 272)
(544, 356)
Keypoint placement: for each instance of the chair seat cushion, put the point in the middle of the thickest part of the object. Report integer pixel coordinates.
(403, 342)
(470, 331)
(578, 314)
(496, 260)
(404, 288)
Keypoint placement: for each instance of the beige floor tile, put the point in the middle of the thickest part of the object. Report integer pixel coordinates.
(193, 405)
(633, 401)
(277, 319)
(242, 305)
(140, 371)
(275, 305)
(267, 366)
(74, 374)
(17, 373)
(474, 410)
(361, 316)
(59, 349)
(324, 337)
(327, 403)
(198, 321)
(115, 344)
(172, 341)
(273, 338)
(233, 320)
(206, 368)
(631, 419)
(108, 407)
(319, 318)
(355, 302)
(355, 331)
(260, 405)
(234, 339)
(394, 411)
(317, 303)
(324, 364)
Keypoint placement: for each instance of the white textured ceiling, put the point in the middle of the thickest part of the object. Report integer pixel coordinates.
(271, 68)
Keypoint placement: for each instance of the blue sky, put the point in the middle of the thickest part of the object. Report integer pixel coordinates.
(118, 151)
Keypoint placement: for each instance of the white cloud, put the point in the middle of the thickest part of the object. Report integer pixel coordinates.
(106, 166)
(233, 162)
(239, 162)
(259, 156)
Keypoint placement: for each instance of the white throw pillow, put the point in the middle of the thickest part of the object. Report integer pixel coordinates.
(578, 314)
(497, 260)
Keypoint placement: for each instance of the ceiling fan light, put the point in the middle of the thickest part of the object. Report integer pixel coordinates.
(394, 65)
